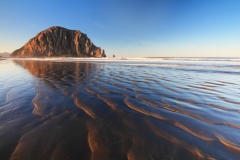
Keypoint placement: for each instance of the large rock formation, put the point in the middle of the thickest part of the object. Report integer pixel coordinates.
(59, 41)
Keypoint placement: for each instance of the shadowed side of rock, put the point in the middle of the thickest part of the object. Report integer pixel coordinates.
(59, 41)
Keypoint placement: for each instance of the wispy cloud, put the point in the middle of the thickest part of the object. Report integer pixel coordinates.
(101, 25)
(142, 42)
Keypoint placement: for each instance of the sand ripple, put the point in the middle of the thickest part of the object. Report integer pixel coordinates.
(116, 111)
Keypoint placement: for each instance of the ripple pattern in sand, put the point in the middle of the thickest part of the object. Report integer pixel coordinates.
(115, 111)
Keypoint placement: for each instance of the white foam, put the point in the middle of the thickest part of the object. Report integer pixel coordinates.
(157, 59)
(71, 59)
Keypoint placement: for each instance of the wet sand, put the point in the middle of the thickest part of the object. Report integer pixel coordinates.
(90, 110)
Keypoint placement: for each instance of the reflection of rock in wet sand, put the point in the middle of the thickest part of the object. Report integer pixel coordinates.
(95, 111)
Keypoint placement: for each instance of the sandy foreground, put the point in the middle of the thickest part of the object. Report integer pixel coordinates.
(118, 110)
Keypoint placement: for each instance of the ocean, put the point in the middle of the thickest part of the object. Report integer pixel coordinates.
(120, 108)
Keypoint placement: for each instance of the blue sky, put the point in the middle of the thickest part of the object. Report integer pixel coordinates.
(135, 28)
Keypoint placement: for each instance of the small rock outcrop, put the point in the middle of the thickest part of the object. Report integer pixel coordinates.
(59, 41)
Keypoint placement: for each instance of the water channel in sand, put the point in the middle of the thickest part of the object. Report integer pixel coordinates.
(119, 109)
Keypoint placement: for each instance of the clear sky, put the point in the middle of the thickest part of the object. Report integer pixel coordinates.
(133, 28)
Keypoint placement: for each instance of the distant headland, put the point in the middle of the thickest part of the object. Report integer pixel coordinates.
(59, 42)
(5, 54)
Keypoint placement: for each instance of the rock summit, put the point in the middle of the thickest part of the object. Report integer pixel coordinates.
(58, 41)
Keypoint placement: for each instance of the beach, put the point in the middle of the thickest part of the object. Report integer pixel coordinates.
(122, 108)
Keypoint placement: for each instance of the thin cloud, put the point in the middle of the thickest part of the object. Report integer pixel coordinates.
(101, 26)
(142, 42)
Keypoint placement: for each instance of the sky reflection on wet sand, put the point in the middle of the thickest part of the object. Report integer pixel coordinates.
(119, 110)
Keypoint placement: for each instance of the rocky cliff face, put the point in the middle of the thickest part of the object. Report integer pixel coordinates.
(58, 41)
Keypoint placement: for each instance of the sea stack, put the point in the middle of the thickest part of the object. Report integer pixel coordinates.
(58, 41)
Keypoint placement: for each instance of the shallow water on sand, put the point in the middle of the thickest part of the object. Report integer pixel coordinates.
(119, 110)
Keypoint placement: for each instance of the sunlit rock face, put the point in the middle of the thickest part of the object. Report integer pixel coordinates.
(59, 41)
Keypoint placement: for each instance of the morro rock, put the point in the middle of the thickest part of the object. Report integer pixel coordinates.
(59, 41)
